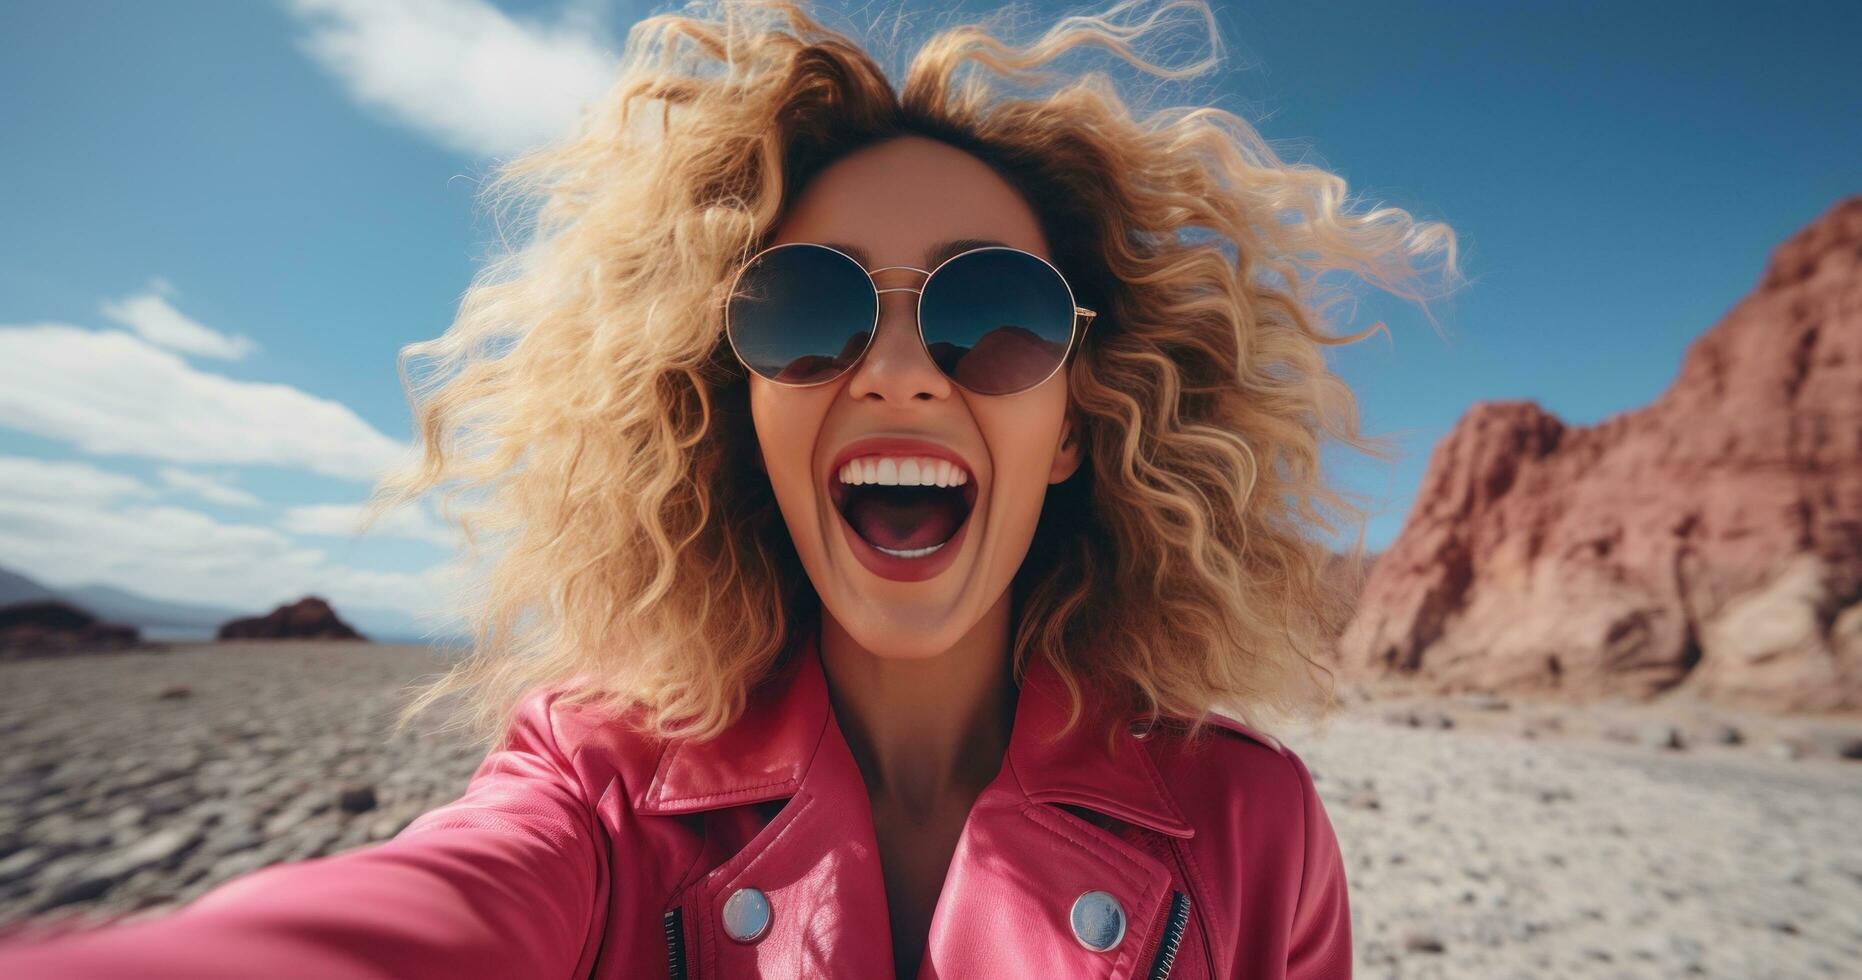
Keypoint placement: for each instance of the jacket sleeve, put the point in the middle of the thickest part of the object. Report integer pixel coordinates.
(1320, 945)
(503, 882)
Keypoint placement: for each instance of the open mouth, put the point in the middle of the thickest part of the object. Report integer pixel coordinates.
(906, 507)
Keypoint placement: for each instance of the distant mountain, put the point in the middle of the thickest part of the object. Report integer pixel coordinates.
(122, 606)
(162, 619)
(15, 587)
(395, 626)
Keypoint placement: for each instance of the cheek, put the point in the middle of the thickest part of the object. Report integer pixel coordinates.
(1022, 432)
(788, 424)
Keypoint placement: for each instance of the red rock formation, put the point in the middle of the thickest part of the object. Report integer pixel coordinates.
(1347, 575)
(309, 618)
(49, 626)
(1710, 542)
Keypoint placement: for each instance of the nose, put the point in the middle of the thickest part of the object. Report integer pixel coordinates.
(897, 368)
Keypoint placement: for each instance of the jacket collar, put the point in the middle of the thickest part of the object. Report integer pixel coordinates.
(766, 754)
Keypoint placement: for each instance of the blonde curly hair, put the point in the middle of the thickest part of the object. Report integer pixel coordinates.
(589, 427)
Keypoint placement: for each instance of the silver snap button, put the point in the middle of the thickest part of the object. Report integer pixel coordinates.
(1098, 921)
(746, 915)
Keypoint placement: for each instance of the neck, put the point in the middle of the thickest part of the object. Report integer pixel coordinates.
(924, 728)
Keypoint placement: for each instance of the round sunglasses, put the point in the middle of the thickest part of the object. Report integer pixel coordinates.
(995, 320)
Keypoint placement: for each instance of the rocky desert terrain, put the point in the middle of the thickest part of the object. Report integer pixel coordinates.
(1485, 836)
(1489, 837)
(136, 781)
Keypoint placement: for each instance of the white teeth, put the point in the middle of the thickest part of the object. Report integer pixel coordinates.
(911, 552)
(909, 471)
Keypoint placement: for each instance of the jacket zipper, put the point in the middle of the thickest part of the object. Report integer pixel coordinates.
(675, 943)
(1175, 922)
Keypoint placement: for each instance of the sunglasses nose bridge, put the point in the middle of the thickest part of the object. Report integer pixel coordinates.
(923, 272)
(915, 290)
(873, 274)
(896, 358)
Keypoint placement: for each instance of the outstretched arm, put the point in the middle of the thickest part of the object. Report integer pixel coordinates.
(503, 882)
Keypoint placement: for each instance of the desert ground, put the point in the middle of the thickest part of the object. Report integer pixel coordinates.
(1484, 837)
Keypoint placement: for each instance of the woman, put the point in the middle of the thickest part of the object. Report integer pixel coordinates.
(885, 493)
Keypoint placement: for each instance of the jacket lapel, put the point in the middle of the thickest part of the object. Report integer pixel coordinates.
(816, 863)
(1019, 865)
(1078, 767)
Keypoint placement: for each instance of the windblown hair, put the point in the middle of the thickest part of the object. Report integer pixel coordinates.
(590, 427)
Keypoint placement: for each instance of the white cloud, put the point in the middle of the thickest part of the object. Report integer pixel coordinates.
(462, 72)
(343, 520)
(112, 392)
(150, 315)
(206, 487)
(46, 479)
(185, 556)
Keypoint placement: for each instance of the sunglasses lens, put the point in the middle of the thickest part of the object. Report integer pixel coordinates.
(997, 320)
(801, 314)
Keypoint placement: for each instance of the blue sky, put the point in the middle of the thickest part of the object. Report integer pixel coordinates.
(223, 220)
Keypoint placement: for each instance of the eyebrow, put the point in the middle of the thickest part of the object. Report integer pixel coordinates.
(933, 255)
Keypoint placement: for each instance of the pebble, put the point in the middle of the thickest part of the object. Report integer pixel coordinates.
(1662, 735)
(357, 798)
(22, 863)
(128, 816)
(1364, 799)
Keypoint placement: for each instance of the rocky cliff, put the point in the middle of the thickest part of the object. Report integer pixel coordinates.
(1710, 542)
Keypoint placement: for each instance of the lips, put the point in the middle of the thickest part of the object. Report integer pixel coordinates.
(907, 507)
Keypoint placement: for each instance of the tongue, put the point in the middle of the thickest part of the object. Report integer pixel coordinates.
(904, 518)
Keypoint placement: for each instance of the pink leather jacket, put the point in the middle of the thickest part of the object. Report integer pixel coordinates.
(580, 850)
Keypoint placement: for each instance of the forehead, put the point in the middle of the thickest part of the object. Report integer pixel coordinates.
(895, 202)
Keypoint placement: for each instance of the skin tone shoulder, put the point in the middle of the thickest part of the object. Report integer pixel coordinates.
(918, 671)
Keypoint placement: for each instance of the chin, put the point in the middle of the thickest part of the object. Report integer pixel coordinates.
(894, 633)
(902, 643)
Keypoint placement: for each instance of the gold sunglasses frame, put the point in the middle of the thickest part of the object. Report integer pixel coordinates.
(1075, 336)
